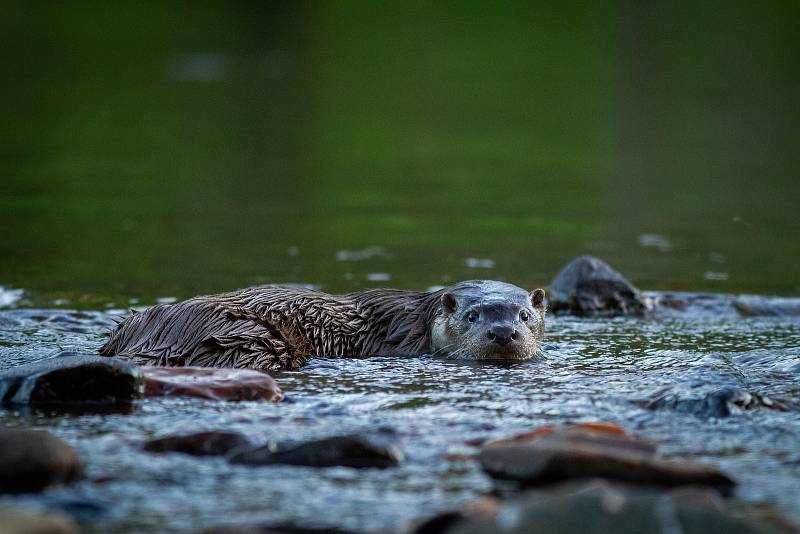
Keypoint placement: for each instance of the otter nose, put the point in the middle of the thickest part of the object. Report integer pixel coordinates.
(501, 334)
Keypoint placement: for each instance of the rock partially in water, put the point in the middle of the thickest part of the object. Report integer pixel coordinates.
(31, 460)
(271, 529)
(589, 286)
(211, 384)
(200, 444)
(599, 507)
(72, 379)
(15, 521)
(724, 402)
(571, 452)
(348, 451)
(752, 305)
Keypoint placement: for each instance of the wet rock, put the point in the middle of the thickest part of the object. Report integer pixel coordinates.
(589, 286)
(72, 379)
(572, 452)
(347, 451)
(751, 305)
(727, 401)
(31, 460)
(199, 444)
(14, 521)
(211, 384)
(600, 507)
(271, 529)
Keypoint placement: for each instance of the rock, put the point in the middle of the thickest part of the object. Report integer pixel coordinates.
(589, 286)
(72, 379)
(31, 460)
(727, 401)
(199, 444)
(211, 384)
(14, 521)
(571, 452)
(751, 306)
(271, 529)
(347, 451)
(600, 507)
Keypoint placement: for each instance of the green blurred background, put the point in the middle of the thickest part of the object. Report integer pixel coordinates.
(152, 149)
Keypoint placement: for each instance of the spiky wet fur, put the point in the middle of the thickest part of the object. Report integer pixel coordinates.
(274, 327)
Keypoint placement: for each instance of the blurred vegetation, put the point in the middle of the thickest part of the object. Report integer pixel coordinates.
(152, 148)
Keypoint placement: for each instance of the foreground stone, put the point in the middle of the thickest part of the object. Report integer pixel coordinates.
(556, 454)
(600, 507)
(753, 306)
(589, 286)
(199, 444)
(270, 529)
(347, 451)
(31, 460)
(72, 379)
(724, 402)
(28, 522)
(211, 384)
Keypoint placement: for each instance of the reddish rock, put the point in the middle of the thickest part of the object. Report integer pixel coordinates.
(199, 444)
(586, 451)
(211, 384)
(599, 427)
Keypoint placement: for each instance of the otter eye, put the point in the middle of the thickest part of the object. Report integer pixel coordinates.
(472, 317)
(524, 316)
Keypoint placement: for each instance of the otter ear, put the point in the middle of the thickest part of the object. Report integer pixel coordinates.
(449, 302)
(537, 298)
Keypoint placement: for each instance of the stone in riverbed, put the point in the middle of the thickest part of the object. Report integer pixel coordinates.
(589, 286)
(72, 379)
(15, 521)
(724, 402)
(347, 451)
(271, 529)
(753, 306)
(591, 451)
(211, 384)
(199, 444)
(598, 506)
(31, 460)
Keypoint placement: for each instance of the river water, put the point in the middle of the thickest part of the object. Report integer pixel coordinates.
(594, 369)
(156, 151)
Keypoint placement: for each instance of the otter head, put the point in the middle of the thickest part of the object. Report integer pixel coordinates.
(488, 320)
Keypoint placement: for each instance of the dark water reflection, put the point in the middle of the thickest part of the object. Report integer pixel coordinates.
(593, 370)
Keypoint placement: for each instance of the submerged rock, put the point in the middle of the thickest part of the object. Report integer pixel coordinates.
(31, 460)
(15, 521)
(589, 286)
(199, 444)
(347, 451)
(271, 529)
(724, 402)
(72, 379)
(591, 451)
(752, 305)
(599, 507)
(211, 384)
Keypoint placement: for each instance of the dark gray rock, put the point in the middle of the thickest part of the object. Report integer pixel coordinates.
(31, 460)
(589, 286)
(752, 306)
(573, 452)
(199, 444)
(72, 379)
(347, 451)
(600, 507)
(724, 402)
(270, 529)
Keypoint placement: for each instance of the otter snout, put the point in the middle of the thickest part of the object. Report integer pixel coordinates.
(502, 334)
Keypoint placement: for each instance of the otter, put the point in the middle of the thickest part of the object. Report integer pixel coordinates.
(277, 327)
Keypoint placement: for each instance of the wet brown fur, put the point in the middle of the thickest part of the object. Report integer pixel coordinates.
(274, 327)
